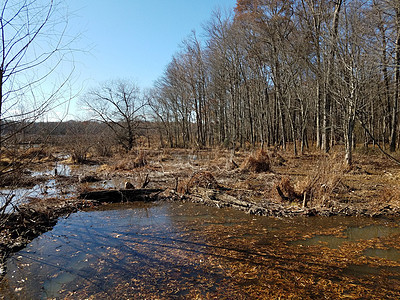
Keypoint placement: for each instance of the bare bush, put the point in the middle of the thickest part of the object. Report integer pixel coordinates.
(79, 152)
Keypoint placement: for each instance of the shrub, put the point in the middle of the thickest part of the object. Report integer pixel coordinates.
(320, 185)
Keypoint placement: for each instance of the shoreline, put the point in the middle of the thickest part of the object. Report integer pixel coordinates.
(216, 178)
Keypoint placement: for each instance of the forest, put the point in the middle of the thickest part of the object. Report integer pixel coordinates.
(301, 72)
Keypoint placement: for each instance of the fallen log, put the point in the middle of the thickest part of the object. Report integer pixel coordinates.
(218, 198)
(123, 195)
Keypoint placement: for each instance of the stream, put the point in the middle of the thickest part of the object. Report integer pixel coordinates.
(183, 250)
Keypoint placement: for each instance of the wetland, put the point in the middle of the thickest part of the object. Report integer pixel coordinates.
(211, 230)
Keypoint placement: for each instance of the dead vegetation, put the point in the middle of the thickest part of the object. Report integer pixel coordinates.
(257, 163)
(130, 162)
(323, 182)
(311, 181)
(272, 182)
(200, 179)
(36, 153)
(17, 156)
(390, 196)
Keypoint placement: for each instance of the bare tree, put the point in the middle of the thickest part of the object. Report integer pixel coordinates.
(119, 105)
(34, 46)
(280, 72)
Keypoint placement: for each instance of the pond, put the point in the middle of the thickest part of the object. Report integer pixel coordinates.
(187, 251)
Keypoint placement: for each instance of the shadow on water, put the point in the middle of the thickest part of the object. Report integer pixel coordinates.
(169, 250)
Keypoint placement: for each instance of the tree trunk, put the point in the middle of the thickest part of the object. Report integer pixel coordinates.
(393, 134)
(327, 122)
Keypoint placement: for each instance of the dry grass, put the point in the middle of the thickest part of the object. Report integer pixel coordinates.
(287, 191)
(200, 179)
(324, 181)
(9, 156)
(130, 163)
(258, 163)
(140, 160)
(35, 153)
(276, 158)
(390, 196)
(321, 183)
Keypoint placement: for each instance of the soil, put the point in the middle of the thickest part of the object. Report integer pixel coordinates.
(281, 185)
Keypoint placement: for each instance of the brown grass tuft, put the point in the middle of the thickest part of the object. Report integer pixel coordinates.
(127, 163)
(201, 179)
(35, 153)
(287, 191)
(258, 163)
(390, 195)
(324, 181)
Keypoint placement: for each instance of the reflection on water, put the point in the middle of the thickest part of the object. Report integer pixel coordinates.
(175, 250)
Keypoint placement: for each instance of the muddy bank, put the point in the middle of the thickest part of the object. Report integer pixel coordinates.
(121, 195)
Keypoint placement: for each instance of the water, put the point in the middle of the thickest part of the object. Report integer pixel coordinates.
(176, 250)
(389, 254)
(349, 235)
(48, 186)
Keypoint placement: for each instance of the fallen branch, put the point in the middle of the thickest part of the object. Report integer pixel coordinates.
(146, 181)
(124, 195)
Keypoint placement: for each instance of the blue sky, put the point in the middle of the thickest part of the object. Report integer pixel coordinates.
(130, 39)
(134, 39)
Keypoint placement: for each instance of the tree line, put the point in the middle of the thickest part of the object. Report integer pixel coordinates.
(272, 72)
(276, 72)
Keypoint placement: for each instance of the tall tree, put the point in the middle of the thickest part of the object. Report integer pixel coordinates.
(394, 127)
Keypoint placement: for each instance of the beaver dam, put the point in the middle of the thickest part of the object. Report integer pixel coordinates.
(206, 225)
